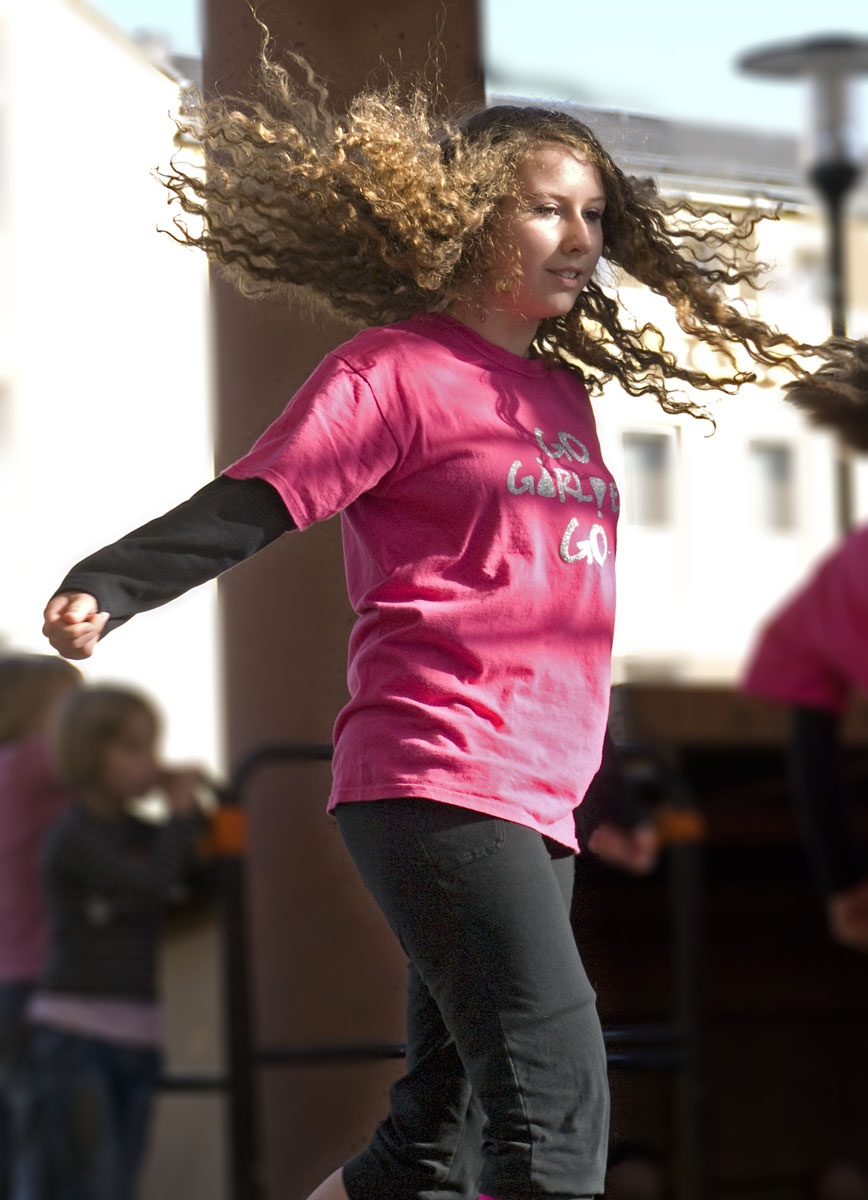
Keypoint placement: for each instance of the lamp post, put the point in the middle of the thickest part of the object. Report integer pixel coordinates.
(830, 65)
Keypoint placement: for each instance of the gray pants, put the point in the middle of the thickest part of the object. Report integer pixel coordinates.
(506, 1090)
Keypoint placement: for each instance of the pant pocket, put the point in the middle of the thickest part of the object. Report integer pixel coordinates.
(457, 837)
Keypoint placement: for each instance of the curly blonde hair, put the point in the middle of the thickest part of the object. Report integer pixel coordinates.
(386, 211)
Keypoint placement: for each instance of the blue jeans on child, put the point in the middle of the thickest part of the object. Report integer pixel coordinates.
(21, 1149)
(97, 1098)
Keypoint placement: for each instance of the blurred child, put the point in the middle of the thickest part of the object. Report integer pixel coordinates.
(30, 801)
(108, 876)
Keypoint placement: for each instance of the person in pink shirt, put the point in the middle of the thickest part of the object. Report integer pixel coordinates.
(31, 798)
(455, 437)
(811, 656)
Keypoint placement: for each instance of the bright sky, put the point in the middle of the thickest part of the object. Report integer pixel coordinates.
(670, 58)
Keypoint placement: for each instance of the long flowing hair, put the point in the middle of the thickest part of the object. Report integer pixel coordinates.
(386, 210)
(835, 397)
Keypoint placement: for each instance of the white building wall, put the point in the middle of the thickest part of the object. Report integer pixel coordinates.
(103, 357)
(105, 422)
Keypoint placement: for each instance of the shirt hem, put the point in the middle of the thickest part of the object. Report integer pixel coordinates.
(301, 518)
(482, 804)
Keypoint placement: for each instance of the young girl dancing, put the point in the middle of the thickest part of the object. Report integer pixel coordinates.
(456, 438)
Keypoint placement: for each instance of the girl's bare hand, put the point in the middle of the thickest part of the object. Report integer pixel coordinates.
(635, 850)
(183, 787)
(848, 916)
(73, 624)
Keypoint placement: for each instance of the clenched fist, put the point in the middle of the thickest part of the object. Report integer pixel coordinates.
(73, 624)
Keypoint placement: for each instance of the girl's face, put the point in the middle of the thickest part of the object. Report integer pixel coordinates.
(555, 227)
(129, 762)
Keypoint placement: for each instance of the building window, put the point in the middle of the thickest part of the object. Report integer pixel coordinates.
(648, 472)
(772, 477)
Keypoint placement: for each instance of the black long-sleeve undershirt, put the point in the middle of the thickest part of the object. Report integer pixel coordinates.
(837, 858)
(222, 524)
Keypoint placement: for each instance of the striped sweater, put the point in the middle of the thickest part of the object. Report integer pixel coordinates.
(107, 884)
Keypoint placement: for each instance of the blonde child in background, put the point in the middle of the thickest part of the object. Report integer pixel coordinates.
(108, 877)
(30, 801)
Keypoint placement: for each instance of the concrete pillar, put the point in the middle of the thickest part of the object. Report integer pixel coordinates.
(327, 969)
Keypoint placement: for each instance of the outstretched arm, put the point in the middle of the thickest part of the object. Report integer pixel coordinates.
(839, 863)
(611, 824)
(222, 524)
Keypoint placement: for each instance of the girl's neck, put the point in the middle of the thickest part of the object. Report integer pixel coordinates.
(496, 326)
(101, 805)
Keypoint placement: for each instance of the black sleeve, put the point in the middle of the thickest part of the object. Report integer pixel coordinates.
(816, 774)
(608, 800)
(223, 523)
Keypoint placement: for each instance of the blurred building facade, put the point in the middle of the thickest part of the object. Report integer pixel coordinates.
(104, 392)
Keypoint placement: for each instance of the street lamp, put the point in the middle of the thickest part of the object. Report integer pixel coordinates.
(830, 64)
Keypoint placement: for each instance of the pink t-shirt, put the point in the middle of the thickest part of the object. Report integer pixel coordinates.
(478, 525)
(814, 651)
(30, 802)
